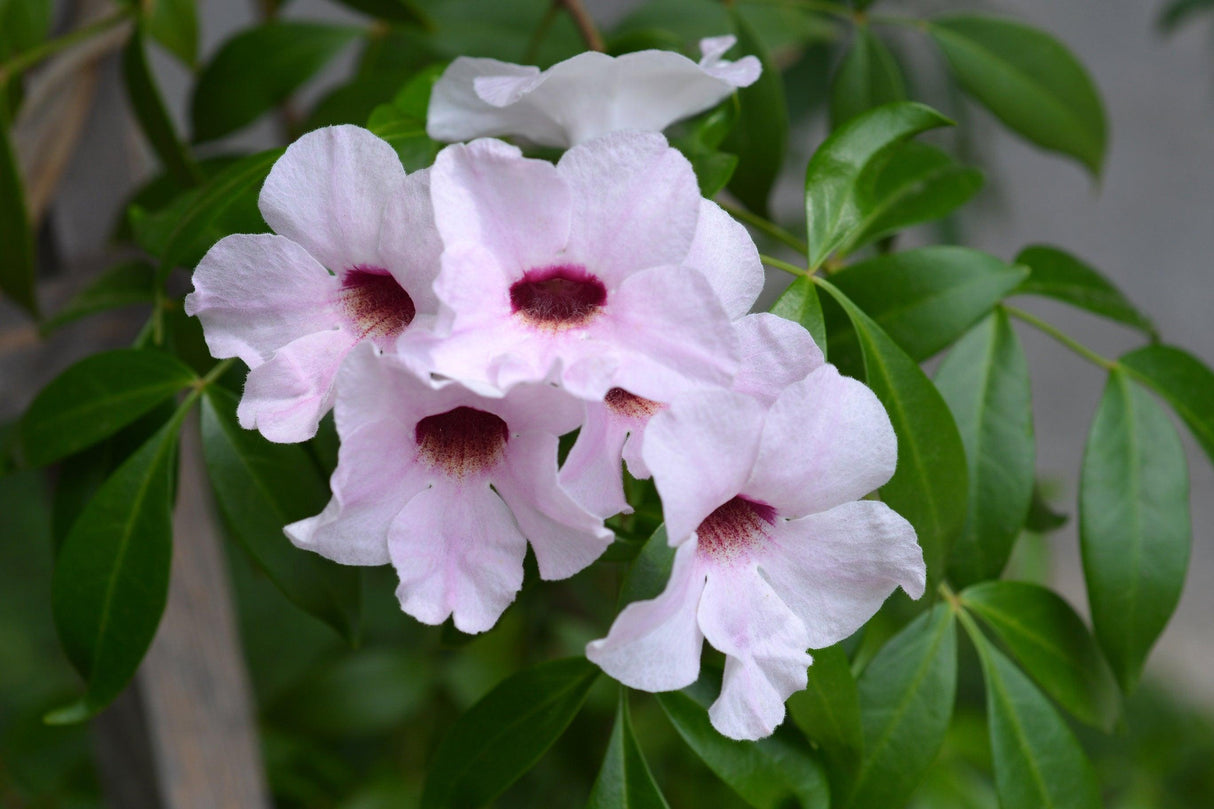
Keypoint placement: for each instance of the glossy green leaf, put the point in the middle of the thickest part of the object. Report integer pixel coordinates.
(1051, 642)
(649, 571)
(768, 774)
(1029, 80)
(985, 381)
(828, 713)
(910, 184)
(1059, 275)
(1041, 517)
(1038, 762)
(261, 487)
(800, 304)
(505, 734)
(929, 486)
(1133, 524)
(174, 24)
(405, 11)
(112, 575)
(923, 299)
(831, 204)
(17, 268)
(867, 78)
(125, 284)
(151, 114)
(624, 781)
(1184, 381)
(760, 138)
(1179, 12)
(259, 68)
(906, 703)
(97, 396)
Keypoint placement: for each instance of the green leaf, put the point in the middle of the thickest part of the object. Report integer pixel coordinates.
(625, 782)
(111, 578)
(404, 11)
(174, 24)
(125, 284)
(1042, 518)
(17, 269)
(910, 184)
(1133, 524)
(1059, 275)
(799, 303)
(766, 774)
(985, 381)
(828, 712)
(505, 734)
(906, 702)
(1038, 763)
(1178, 12)
(1029, 80)
(95, 397)
(259, 68)
(929, 486)
(868, 77)
(649, 571)
(923, 299)
(23, 24)
(831, 205)
(760, 138)
(150, 111)
(1051, 642)
(261, 487)
(1181, 379)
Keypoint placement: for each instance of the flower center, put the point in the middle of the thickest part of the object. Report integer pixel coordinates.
(376, 304)
(462, 441)
(629, 405)
(558, 297)
(734, 528)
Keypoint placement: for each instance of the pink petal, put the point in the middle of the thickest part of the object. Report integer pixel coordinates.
(723, 250)
(655, 645)
(775, 353)
(328, 192)
(827, 441)
(458, 553)
(741, 73)
(410, 246)
(591, 473)
(764, 643)
(256, 293)
(285, 398)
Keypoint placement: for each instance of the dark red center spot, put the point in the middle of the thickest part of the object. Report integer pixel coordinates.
(629, 405)
(376, 304)
(734, 528)
(462, 441)
(557, 297)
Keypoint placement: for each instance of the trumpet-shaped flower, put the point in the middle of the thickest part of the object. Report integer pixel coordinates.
(450, 487)
(775, 553)
(605, 270)
(354, 260)
(583, 97)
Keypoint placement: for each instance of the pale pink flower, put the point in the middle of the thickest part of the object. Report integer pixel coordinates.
(581, 273)
(774, 353)
(354, 260)
(584, 97)
(450, 487)
(775, 555)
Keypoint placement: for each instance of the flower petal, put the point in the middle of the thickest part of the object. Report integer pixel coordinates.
(827, 441)
(328, 193)
(775, 353)
(458, 553)
(409, 242)
(723, 250)
(256, 293)
(592, 473)
(764, 643)
(836, 568)
(741, 73)
(458, 111)
(655, 645)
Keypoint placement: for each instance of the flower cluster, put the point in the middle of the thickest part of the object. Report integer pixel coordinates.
(462, 318)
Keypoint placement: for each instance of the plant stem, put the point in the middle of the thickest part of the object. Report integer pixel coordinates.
(1066, 340)
(770, 228)
(27, 59)
(585, 25)
(792, 269)
(541, 31)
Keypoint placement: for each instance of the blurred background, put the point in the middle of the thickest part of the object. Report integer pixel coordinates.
(352, 729)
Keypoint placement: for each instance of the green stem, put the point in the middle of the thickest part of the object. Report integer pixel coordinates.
(541, 31)
(1066, 340)
(585, 24)
(219, 370)
(783, 265)
(27, 59)
(770, 228)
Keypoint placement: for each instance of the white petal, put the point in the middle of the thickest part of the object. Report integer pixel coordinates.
(775, 353)
(655, 645)
(592, 472)
(328, 193)
(256, 293)
(723, 250)
(459, 112)
(409, 242)
(741, 73)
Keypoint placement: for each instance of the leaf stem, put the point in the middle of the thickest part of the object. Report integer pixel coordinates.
(541, 31)
(783, 265)
(1068, 341)
(770, 228)
(27, 59)
(585, 24)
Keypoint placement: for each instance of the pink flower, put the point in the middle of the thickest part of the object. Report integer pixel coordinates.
(775, 353)
(584, 97)
(450, 487)
(355, 260)
(605, 270)
(775, 555)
